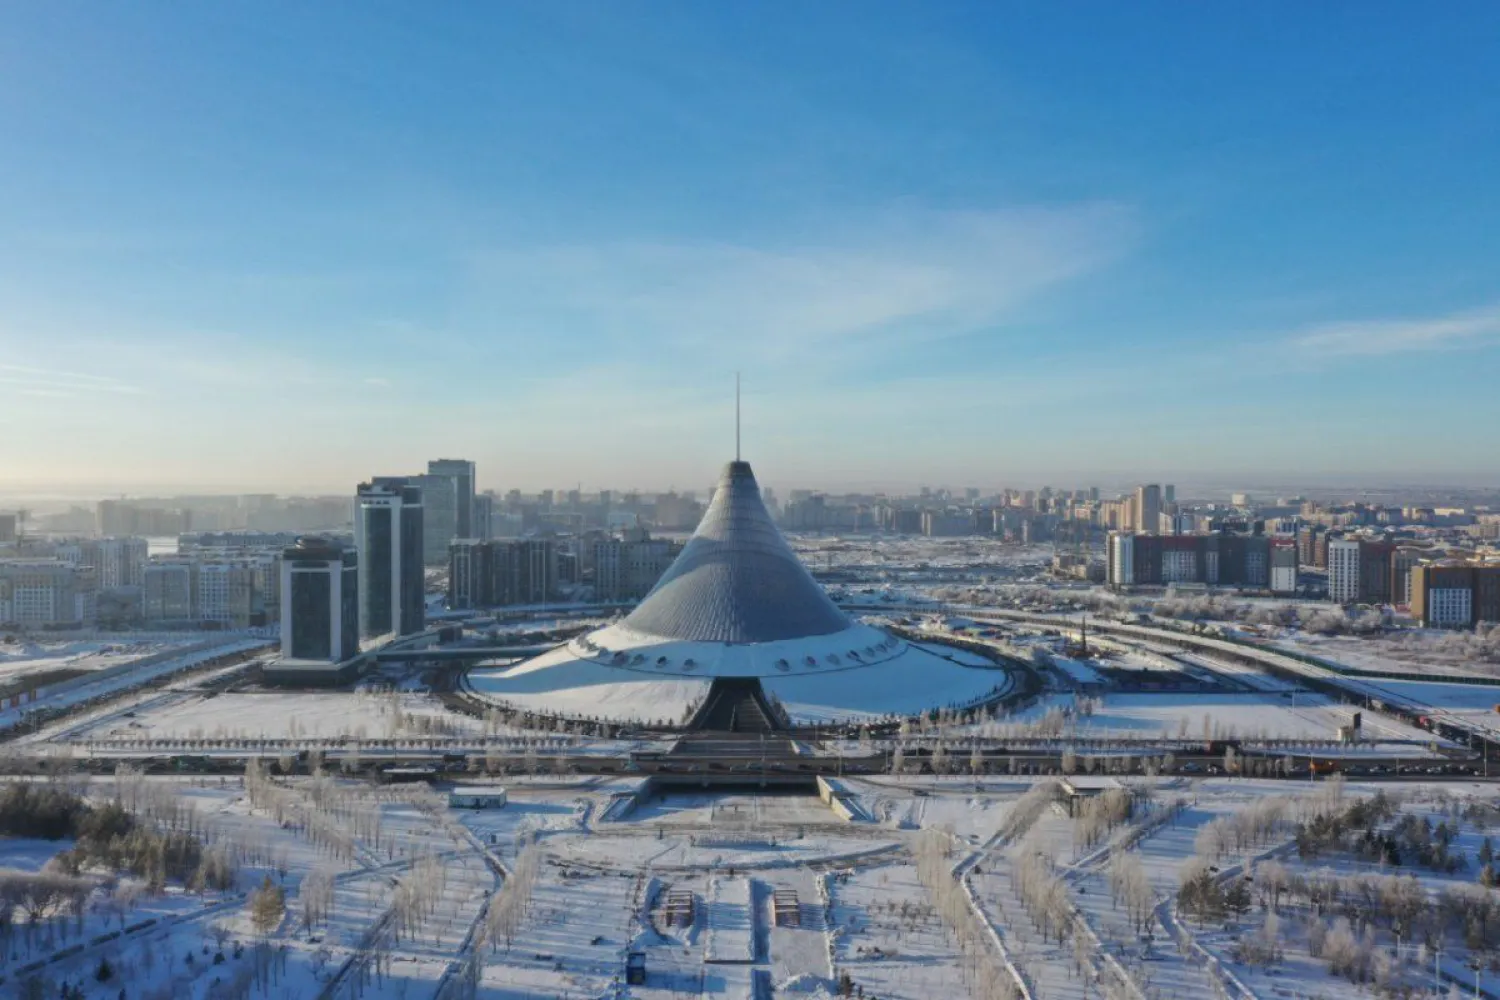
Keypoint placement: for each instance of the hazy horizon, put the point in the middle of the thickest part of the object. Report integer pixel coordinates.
(1264, 489)
(286, 250)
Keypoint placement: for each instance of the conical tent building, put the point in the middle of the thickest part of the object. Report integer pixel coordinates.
(738, 603)
(737, 580)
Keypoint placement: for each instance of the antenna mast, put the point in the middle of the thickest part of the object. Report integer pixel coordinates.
(736, 416)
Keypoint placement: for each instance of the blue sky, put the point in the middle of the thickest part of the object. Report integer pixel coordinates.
(289, 246)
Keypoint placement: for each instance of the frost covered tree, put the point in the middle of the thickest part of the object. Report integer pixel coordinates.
(267, 904)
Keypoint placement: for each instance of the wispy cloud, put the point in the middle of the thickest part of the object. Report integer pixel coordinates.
(51, 381)
(896, 277)
(1376, 338)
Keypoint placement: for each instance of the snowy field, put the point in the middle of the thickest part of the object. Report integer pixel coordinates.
(1422, 651)
(889, 938)
(1218, 716)
(904, 557)
(389, 895)
(285, 715)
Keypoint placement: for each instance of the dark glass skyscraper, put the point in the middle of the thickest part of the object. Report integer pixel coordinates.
(461, 471)
(319, 601)
(388, 530)
(447, 506)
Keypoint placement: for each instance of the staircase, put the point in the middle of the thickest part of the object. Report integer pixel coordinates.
(735, 705)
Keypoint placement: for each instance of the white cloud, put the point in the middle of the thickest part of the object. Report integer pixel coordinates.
(51, 381)
(893, 278)
(1376, 338)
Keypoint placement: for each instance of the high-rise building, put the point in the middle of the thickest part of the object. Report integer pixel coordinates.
(439, 516)
(9, 531)
(470, 573)
(1403, 560)
(388, 534)
(319, 601)
(230, 592)
(524, 572)
(1169, 494)
(1283, 565)
(1148, 508)
(1359, 571)
(484, 517)
(118, 562)
(45, 592)
(1216, 559)
(626, 570)
(1455, 595)
(168, 591)
(1312, 545)
(461, 472)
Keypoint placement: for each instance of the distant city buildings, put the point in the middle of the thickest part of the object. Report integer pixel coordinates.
(117, 562)
(1284, 565)
(169, 592)
(484, 518)
(1218, 559)
(1359, 571)
(625, 569)
(499, 573)
(1148, 508)
(47, 593)
(1455, 595)
(117, 517)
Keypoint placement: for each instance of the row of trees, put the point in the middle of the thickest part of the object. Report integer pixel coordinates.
(1130, 887)
(289, 808)
(1096, 817)
(988, 976)
(1027, 809)
(1260, 823)
(315, 896)
(510, 906)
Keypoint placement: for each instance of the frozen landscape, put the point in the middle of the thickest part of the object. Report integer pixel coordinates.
(982, 798)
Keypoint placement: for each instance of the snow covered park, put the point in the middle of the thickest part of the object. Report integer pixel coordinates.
(304, 887)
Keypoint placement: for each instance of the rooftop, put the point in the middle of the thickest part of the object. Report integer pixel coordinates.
(737, 580)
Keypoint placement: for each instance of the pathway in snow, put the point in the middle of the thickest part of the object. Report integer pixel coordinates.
(730, 915)
(890, 940)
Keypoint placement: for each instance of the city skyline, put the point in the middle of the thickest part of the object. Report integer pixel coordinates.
(1048, 243)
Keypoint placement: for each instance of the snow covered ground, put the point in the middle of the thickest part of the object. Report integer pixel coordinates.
(1423, 651)
(1218, 716)
(28, 656)
(603, 890)
(890, 939)
(286, 715)
(121, 677)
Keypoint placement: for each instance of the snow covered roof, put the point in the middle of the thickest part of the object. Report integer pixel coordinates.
(737, 580)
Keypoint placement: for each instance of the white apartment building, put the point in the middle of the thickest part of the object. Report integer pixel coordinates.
(44, 592)
(1121, 559)
(1343, 570)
